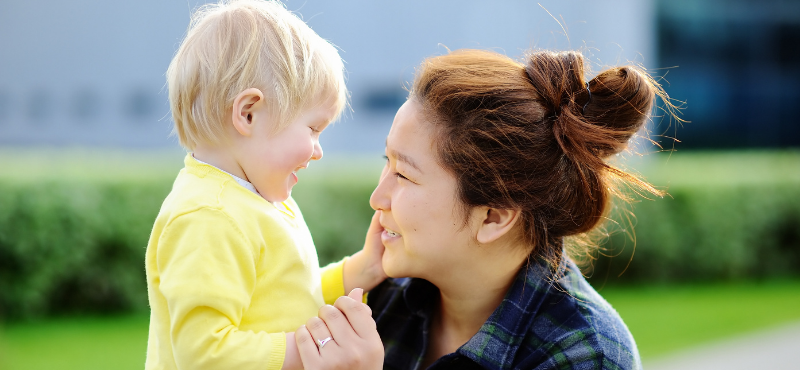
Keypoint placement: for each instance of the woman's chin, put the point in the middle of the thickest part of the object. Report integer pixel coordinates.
(394, 276)
(391, 268)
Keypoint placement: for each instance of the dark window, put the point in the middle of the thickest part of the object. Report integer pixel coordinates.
(385, 99)
(788, 45)
(140, 104)
(737, 70)
(39, 107)
(85, 105)
(5, 107)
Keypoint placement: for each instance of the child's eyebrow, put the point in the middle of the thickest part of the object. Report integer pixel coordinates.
(323, 123)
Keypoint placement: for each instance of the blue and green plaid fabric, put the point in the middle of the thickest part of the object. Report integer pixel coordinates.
(541, 324)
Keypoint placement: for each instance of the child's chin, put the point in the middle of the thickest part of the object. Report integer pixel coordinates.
(278, 198)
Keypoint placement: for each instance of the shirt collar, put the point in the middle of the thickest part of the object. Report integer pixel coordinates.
(420, 296)
(244, 183)
(285, 207)
(510, 321)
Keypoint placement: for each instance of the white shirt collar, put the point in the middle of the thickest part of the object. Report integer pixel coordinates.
(244, 183)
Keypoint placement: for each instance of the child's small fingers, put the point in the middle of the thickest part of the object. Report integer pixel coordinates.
(375, 223)
(309, 353)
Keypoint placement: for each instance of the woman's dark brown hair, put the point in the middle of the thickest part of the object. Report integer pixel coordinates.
(532, 136)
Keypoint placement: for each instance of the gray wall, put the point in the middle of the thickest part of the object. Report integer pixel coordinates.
(89, 72)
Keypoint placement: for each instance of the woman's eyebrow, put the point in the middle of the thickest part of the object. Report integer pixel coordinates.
(405, 159)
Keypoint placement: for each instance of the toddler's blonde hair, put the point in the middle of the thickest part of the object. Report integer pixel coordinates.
(234, 45)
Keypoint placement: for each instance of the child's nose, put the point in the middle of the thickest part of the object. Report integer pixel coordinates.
(317, 151)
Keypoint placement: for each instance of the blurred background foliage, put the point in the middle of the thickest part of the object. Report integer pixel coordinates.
(727, 216)
(74, 225)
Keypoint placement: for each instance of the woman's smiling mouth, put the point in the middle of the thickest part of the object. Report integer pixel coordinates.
(390, 233)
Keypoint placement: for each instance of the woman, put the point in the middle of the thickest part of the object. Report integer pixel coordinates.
(491, 164)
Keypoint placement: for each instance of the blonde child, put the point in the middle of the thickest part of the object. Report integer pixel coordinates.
(231, 266)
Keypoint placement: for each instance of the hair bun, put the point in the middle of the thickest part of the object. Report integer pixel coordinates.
(556, 77)
(621, 99)
(599, 117)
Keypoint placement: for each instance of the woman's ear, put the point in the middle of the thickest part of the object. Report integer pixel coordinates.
(245, 106)
(495, 223)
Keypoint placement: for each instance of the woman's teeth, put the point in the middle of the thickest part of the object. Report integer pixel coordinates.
(392, 233)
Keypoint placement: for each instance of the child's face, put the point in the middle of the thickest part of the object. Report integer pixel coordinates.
(273, 159)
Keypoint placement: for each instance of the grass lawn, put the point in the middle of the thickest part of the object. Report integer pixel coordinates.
(116, 342)
(663, 319)
(669, 318)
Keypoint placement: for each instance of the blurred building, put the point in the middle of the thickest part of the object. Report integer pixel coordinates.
(737, 67)
(91, 72)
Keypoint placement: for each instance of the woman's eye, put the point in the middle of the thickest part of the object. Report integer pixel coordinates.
(395, 173)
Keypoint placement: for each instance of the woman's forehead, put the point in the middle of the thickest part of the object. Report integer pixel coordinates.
(409, 138)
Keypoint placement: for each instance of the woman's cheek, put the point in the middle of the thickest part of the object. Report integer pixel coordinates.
(404, 204)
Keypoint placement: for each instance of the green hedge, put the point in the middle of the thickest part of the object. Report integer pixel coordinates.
(741, 232)
(74, 224)
(75, 246)
(728, 216)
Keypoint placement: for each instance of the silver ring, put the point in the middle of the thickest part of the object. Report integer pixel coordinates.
(322, 342)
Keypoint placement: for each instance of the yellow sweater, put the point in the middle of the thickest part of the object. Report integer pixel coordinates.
(227, 274)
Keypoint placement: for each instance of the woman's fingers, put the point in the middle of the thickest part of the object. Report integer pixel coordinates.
(359, 315)
(357, 294)
(338, 324)
(323, 337)
(307, 348)
(347, 350)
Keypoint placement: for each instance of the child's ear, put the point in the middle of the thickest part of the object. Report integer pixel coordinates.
(495, 222)
(244, 107)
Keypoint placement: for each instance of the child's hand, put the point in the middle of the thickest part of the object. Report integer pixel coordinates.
(344, 336)
(364, 269)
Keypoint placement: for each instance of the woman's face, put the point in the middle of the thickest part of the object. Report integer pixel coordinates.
(424, 231)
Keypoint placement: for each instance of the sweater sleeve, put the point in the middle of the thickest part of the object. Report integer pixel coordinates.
(207, 274)
(333, 281)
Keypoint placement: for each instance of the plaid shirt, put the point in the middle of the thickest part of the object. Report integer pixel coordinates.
(541, 324)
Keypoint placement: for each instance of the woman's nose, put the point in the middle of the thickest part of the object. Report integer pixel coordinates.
(379, 200)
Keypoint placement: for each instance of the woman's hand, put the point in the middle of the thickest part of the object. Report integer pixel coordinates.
(364, 269)
(344, 337)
